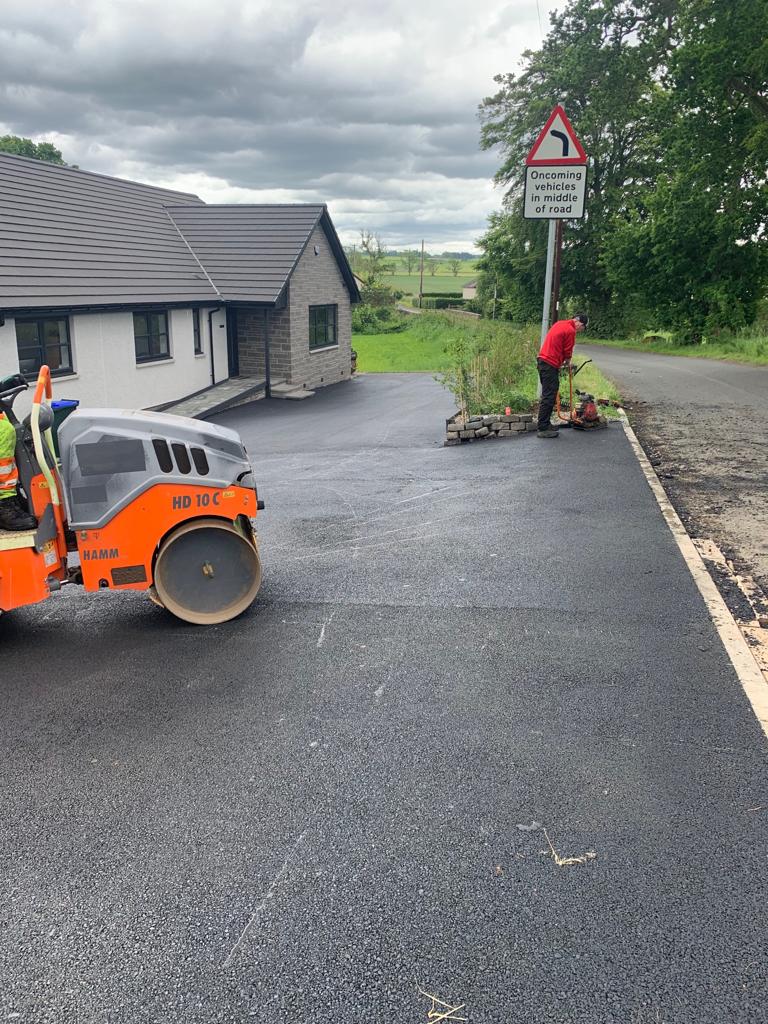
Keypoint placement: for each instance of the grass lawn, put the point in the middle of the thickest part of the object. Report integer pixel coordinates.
(740, 349)
(405, 352)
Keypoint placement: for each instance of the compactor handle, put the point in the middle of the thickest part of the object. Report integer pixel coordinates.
(581, 367)
(44, 388)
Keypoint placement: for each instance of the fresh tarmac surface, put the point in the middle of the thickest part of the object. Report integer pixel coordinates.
(305, 814)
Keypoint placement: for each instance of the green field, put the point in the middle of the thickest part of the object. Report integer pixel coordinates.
(409, 283)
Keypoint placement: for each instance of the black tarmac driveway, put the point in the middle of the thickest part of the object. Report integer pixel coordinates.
(312, 813)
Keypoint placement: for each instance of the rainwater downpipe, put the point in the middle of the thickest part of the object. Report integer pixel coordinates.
(217, 309)
(267, 374)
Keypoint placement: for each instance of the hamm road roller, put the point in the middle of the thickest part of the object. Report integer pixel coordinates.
(141, 500)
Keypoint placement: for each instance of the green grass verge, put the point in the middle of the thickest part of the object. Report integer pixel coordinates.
(740, 349)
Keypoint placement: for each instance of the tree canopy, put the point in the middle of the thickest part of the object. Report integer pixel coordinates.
(45, 151)
(669, 100)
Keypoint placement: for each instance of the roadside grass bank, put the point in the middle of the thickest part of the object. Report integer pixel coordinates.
(739, 348)
(487, 365)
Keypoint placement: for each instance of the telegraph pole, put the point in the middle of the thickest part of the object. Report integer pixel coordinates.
(421, 273)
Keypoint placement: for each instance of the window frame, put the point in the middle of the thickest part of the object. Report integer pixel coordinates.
(197, 337)
(42, 348)
(152, 357)
(333, 323)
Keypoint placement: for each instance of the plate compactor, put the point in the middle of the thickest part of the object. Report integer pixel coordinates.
(584, 415)
(148, 501)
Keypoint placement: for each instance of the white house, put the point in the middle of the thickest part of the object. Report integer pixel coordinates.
(138, 296)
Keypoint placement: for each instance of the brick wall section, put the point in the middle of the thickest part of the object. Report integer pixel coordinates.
(317, 281)
(280, 344)
(250, 341)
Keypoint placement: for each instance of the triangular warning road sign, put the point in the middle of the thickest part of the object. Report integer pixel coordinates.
(557, 143)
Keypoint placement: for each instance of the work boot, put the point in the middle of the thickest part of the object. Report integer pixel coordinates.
(548, 433)
(553, 426)
(15, 518)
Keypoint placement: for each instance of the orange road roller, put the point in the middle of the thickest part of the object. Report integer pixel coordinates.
(134, 501)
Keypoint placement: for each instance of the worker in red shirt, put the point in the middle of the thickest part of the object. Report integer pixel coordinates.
(555, 353)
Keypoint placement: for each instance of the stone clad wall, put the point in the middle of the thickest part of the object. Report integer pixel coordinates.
(250, 341)
(317, 281)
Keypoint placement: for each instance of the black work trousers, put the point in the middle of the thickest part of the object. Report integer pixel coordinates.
(550, 383)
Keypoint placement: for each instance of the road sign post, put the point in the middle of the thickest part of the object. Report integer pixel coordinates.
(555, 187)
(548, 281)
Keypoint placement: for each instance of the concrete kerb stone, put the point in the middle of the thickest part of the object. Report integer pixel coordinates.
(459, 429)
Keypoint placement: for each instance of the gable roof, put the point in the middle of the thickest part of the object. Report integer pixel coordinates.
(74, 239)
(249, 251)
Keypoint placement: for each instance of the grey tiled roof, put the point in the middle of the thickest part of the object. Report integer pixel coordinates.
(69, 238)
(72, 238)
(248, 251)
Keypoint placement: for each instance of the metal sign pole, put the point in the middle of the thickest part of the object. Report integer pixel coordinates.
(554, 313)
(547, 288)
(548, 279)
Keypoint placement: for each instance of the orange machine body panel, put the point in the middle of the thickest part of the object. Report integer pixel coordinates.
(121, 554)
(24, 572)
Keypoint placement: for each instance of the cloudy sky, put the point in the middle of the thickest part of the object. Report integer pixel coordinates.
(369, 106)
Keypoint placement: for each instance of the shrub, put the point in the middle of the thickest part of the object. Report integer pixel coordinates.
(379, 296)
(441, 302)
(492, 365)
(376, 320)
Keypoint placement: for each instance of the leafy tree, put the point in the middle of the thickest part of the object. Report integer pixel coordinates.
(693, 247)
(512, 266)
(411, 259)
(433, 267)
(599, 61)
(670, 100)
(373, 259)
(455, 267)
(45, 151)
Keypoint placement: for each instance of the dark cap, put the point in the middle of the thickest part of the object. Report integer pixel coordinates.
(582, 318)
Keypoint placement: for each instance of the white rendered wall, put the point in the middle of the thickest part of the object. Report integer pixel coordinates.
(106, 373)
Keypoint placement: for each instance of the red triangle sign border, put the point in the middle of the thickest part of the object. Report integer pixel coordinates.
(579, 158)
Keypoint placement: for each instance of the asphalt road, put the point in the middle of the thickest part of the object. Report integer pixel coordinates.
(303, 815)
(681, 380)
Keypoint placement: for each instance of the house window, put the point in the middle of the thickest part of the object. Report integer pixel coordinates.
(322, 326)
(196, 331)
(150, 335)
(44, 342)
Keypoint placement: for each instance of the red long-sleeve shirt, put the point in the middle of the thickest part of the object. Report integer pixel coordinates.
(559, 342)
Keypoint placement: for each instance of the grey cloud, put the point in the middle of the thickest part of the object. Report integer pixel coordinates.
(243, 97)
